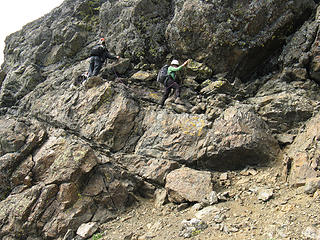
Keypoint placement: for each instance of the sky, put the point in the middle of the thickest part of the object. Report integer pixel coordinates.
(14, 14)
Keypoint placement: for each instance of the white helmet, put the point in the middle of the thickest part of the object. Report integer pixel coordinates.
(175, 62)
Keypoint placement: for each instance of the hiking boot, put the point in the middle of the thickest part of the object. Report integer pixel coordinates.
(178, 101)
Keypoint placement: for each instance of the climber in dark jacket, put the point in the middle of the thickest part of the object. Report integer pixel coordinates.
(99, 55)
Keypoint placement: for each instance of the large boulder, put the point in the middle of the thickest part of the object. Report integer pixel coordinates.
(297, 50)
(239, 137)
(236, 139)
(15, 211)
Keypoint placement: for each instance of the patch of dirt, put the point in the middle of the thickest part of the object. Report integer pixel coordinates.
(289, 214)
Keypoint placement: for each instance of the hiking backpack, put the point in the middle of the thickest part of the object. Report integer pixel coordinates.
(163, 74)
(97, 51)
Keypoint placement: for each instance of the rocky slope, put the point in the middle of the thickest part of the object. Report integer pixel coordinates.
(238, 160)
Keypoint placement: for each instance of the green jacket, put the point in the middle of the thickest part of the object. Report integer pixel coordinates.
(172, 71)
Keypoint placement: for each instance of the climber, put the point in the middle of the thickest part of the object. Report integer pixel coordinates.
(99, 54)
(171, 83)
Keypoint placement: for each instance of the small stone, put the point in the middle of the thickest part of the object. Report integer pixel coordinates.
(192, 227)
(196, 207)
(223, 196)
(207, 211)
(312, 185)
(219, 218)
(224, 176)
(86, 230)
(160, 198)
(265, 194)
(213, 198)
(311, 233)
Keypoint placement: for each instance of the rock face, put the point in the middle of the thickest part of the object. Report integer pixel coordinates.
(303, 153)
(288, 103)
(233, 32)
(75, 155)
(140, 33)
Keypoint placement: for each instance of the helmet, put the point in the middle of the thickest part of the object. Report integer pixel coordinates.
(102, 40)
(175, 62)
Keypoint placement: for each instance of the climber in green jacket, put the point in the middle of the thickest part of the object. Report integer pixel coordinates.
(171, 83)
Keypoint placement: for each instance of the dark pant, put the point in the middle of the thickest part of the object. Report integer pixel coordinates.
(95, 66)
(170, 84)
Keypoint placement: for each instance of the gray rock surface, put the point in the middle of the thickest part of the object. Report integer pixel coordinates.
(70, 154)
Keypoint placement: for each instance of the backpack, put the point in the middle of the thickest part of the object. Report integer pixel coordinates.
(97, 51)
(163, 74)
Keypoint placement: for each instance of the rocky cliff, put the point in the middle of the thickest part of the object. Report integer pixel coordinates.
(74, 157)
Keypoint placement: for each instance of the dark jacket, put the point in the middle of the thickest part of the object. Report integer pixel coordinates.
(103, 53)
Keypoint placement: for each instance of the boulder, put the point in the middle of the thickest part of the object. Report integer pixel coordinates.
(236, 139)
(15, 211)
(296, 51)
(239, 137)
(144, 76)
(185, 184)
(81, 212)
(19, 83)
(97, 113)
(160, 198)
(67, 195)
